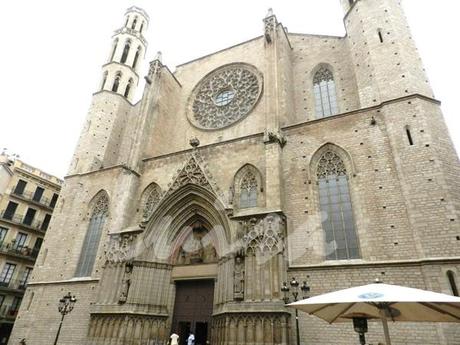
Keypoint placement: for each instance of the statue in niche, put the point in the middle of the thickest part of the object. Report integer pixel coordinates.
(125, 283)
(238, 279)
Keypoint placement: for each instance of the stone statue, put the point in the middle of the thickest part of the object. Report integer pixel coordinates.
(238, 279)
(125, 283)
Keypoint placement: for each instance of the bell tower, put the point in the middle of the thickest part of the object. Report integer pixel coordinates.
(121, 72)
(100, 142)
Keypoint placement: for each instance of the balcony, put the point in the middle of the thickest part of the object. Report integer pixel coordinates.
(20, 252)
(18, 219)
(30, 197)
(8, 312)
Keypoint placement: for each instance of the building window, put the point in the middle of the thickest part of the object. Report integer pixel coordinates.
(124, 56)
(2, 299)
(25, 278)
(46, 222)
(133, 25)
(7, 274)
(452, 283)
(37, 246)
(248, 190)
(136, 57)
(336, 208)
(3, 232)
(20, 187)
(142, 27)
(104, 80)
(30, 215)
(53, 200)
(15, 306)
(325, 95)
(38, 194)
(128, 88)
(115, 44)
(116, 82)
(20, 241)
(10, 210)
(92, 237)
(409, 136)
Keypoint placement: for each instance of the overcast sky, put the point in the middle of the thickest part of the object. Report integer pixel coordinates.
(52, 52)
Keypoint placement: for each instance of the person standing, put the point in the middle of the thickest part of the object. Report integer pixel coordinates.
(191, 339)
(174, 339)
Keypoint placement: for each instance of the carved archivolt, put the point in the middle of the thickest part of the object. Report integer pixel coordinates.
(225, 96)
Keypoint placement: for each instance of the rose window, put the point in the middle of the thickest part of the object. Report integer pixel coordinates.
(225, 96)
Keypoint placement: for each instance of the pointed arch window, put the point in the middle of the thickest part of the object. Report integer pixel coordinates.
(115, 44)
(133, 25)
(104, 80)
(336, 208)
(136, 57)
(128, 88)
(116, 82)
(452, 283)
(325, 94)
(248, 190)
(93, 237)
(124, 56)
(151, 198)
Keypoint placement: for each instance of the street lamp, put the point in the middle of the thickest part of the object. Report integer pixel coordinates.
(360, 326)
(65, 306)
(295, 294)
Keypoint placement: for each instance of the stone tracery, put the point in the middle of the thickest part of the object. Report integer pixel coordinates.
(241, 82)
(330, 164)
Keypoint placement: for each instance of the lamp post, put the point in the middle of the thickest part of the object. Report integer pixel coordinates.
(295, 294)
(66, 305)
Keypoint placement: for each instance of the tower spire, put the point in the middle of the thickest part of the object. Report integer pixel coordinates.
(121, 73)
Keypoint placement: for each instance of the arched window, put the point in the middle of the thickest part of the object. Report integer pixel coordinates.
(136, 57)
(336, 208)
(133, 25)
(115, 43)
(93, 236)
(248, 190)
(325, 96)
(124, 57)
(116, 82)
(128, 87)
(104, 79)
(452, 283)
(150, 199)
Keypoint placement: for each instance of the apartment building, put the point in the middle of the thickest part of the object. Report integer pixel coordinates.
(27, 200)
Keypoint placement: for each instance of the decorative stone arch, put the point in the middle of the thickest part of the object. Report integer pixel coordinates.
(246, 177)
(320, 66)
(150, 198)
(99, 203)
(169, 225)
(342, 153)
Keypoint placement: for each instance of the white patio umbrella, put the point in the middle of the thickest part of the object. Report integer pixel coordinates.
(385, 302)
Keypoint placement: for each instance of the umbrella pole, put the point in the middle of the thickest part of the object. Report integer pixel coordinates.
(386, 331)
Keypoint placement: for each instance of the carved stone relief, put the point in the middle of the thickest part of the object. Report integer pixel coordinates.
(197, 248)
(121, 248)
(238, 278)
(265, 235)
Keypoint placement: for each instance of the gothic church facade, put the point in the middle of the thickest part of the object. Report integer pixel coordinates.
(317, 157)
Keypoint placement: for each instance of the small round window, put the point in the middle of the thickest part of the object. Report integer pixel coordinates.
(224, 98)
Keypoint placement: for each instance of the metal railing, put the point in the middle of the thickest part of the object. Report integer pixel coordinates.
(24, 251)
(31, 196)
(19, 219)
(15, 284)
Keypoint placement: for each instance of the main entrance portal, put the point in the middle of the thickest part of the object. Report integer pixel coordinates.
(193, 310)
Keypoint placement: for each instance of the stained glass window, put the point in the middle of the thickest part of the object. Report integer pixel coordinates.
(336, 209)
(248, 190)
(325, 95)
(92, 237)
